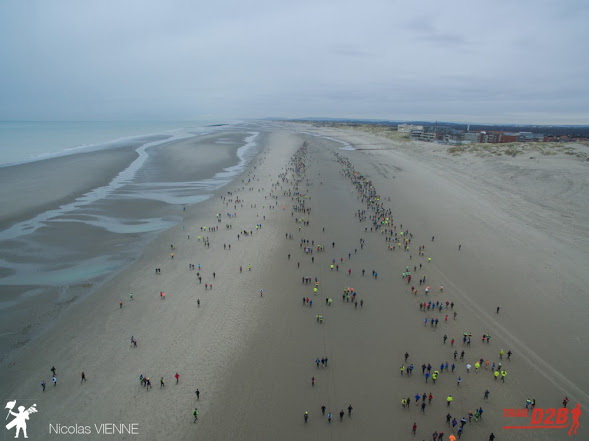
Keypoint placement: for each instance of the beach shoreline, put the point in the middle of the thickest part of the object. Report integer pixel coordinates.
(32, 305)
(252, 356)
(28, 188)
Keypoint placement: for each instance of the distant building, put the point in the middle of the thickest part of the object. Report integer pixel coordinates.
(449, 135)
(493, 137)
(472, 137)
(530, 137)
(454, 136)
(407, 128)
(422, 135)
(562, 138)
(509, 137)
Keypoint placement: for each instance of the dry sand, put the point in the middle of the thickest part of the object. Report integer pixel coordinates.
(253, 358)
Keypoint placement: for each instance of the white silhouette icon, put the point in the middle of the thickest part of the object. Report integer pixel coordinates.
(20, 417)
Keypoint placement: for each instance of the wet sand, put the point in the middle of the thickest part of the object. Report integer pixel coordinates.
(44, 273)
(253, 357)
(28, 188)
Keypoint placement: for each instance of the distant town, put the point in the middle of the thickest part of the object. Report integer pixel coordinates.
(450, 135)
(463, 134)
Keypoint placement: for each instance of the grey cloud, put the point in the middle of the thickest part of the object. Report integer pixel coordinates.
(350, 51)
(149, 59)
(424, 28)
(444, 39)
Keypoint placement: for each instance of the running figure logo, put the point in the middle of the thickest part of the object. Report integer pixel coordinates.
(20, 417)
(548, 418)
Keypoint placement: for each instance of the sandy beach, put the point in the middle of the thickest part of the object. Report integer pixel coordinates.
(78, 219)
(48, 189)
(500, 232)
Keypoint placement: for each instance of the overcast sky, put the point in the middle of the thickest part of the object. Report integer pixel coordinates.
(522, 61)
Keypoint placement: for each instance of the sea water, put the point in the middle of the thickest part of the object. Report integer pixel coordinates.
(24, 141)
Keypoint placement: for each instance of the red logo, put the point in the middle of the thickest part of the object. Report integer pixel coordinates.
(549, 418)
